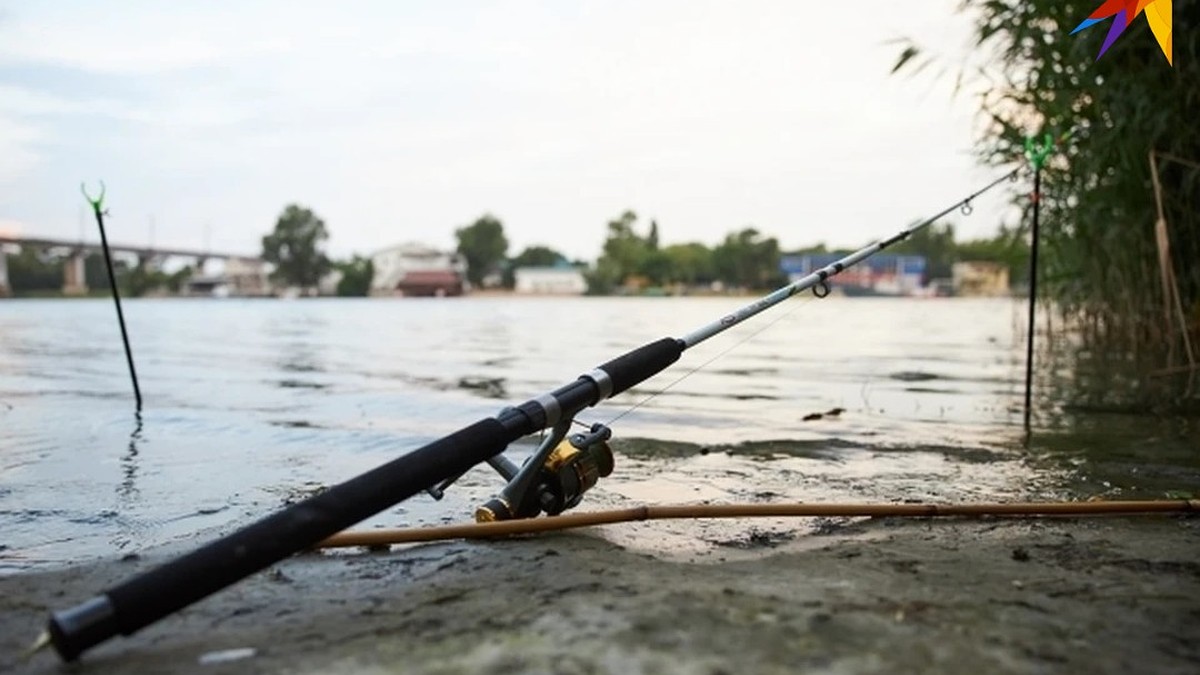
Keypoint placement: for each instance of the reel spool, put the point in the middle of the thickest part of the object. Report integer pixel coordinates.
(572, 468)
(552, 480)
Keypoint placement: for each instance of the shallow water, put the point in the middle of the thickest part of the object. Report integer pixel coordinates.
(250, 404)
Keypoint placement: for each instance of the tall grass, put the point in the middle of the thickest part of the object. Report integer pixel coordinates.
(1101, 267)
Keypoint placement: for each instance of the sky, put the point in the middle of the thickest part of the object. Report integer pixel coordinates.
(402, 121)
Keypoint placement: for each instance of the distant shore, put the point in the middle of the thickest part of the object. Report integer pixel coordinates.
(488, 293)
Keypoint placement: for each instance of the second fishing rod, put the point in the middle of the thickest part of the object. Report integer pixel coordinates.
(551, 481)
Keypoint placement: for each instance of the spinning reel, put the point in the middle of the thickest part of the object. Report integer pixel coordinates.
(552, 480)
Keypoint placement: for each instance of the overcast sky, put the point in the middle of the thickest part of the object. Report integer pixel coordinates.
(399, 121)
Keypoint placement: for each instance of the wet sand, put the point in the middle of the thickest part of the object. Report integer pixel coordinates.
(1100, 595)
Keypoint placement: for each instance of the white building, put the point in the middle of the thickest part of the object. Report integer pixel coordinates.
(248, 276)
(564, 280)
(240, 277)
(978, 278)
(328, 284)
(416, 269)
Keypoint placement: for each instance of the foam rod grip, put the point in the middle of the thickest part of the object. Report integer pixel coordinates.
(159, 592)
(642, 363)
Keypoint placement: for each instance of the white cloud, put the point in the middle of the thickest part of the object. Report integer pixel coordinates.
(25, 101)
(406, 120)
(134, 38)
(17, 153)
(12, 228)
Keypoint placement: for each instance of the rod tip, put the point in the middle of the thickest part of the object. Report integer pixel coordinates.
(42, 641)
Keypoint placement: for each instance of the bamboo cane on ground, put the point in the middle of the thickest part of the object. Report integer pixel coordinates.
(386, 537)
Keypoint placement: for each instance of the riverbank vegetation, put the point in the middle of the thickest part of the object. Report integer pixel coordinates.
(32, 273)
(633, 259)
(296, 248)
(1121, 196)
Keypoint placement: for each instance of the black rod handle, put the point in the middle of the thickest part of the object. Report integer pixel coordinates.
(138, 602)
(642, 363)
(148, 597)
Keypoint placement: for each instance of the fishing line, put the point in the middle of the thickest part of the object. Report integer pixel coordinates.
(965, 207)
(702, 366)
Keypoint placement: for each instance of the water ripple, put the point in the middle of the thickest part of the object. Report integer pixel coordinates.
(250, 402)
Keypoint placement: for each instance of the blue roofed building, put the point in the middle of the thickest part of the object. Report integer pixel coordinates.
(881, 274)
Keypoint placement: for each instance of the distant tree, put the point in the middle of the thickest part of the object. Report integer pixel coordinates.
(295, 247)
(138, 280)
(95, 273)
(30, 270)
(133, 280)
(624, 253)
(357, 274)
(538, 256)
(934, 242)
(179, 278)
(532, 256)
(747, 259)
(689, 263)
(809, 250)
(652, 238)
(655, 267)
(484, 246)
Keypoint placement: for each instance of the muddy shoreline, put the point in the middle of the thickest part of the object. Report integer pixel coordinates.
(1100, 594)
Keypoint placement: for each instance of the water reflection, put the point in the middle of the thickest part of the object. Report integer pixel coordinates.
(301, 337)
(128, 490)
(487, 387)
(266, 399)
(1121, 433)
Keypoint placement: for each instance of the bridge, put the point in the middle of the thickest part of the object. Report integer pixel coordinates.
(74, 279)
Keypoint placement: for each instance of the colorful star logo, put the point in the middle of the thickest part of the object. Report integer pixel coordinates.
(1158, 14)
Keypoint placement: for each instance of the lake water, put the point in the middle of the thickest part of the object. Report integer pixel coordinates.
(250, 404)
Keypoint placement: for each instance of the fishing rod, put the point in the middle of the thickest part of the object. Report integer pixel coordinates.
(552, 480)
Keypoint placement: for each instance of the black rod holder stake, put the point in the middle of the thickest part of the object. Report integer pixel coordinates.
(1033, 271)
(98, 209)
